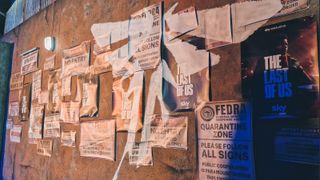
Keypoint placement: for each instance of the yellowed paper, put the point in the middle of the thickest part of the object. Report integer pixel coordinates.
(169, 132)
(75, 60)
(35, 126)
(14, 109)
(44, 147)
(97, 139)
(36, 84)
(52, 126)
(29, 62)
(16, 81)
(70, 112)
(49, 63)
(15, 133)
(68, 138)
(43, 97)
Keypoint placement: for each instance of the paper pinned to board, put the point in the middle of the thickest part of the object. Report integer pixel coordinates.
(16, 81)
(15, 133)
(66, 86)
(24, 104)
(218, 27)
(29, 61)
(75, 60)
(100, 64)
(106, 34)
(169, 132)
(214, 23)
(14, 109)
(97, 139)
(87, 89)
(68, 138)
(49, 63)
(36, 84)
(141, 154)
(181, 23)
(127, 101)
(191, 59)
(44, 147)
(51, 128)
(249, 16)
(154, 92)
(145, 39)
(35, 126)
(70, 112)
(54, 89)
(43, 97)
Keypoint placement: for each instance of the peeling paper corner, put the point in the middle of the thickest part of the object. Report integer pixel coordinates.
(247, 17)
(181, 22)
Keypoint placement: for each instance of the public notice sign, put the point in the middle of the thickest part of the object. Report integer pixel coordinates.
(29, 62)
(75, 60)
(145, 39)
(97, 139)
(16, 81)
(225, 140)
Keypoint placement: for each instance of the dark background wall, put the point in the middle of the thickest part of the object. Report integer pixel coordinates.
(70, 22)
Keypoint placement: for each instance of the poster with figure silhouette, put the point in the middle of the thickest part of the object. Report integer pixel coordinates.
(280, 73)
(280, 69)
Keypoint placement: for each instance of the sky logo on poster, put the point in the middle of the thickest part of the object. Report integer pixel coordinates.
(184, 86)
(276, 83)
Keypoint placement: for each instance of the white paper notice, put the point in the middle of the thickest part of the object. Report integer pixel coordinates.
(181, 22)
(15, 133)
(16, 81)
(225, 159)
(36, 84)
(97, 139)
(29, 62)
(218, 27)
(225, 140)
(225, 120)
(35, 126)
(70, 112)
(169, 132)
(44, 147)
(14, 109)
(249, 16)
(144, 44)
(68, 138)
(52, 126)
(49, 63)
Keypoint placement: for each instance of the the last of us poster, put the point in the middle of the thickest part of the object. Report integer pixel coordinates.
(280, 74)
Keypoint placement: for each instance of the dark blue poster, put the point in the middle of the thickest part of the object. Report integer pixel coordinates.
(280, 74)
(280, 69)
